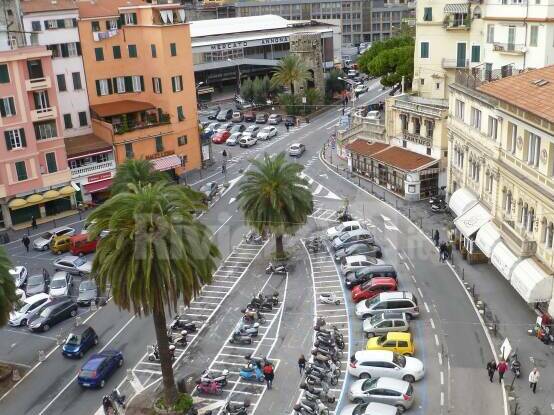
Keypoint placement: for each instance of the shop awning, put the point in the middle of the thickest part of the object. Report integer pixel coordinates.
(166, 163)
(67, 190)
(456, 8)
(472, 220)
(461, 201)
(17, 203)
(503, 259)
(98, 186)
(487, 237)
(531, 281)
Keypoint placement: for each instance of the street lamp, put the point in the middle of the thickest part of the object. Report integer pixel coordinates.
(238, 75)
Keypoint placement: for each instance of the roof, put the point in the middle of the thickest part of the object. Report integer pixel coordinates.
(365, 147)
(519, 90)
(105, 8)
(403, 159)
(398, 335)
(124, 106)
(33, 6)
(85, 144)
(213, 27)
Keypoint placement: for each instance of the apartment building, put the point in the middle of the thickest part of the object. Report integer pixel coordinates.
(34, 177)
(139, 73)
(11, 34)
(501, 178)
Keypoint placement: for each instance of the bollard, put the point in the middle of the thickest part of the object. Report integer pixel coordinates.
(41, 356)
(463, 274)
(59, 338)
(473, 290)
(409, 214)
(359, 182)
(16, 377)
(77, 321)
(396, 201)
(421, 223)
(93, 306)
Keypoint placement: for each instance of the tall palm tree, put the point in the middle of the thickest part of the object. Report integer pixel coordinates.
(156, 253)
(135, 171)
(7, 289)
(290, 69)
(274, 197)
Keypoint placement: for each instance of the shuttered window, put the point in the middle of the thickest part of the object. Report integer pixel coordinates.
(99, 53)
(21, 170)
(51, 162)
(4, 74)
(7, 107)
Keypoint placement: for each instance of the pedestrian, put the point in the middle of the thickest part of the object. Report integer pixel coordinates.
(436, 237)
(301, 363)
(26, 241)
(449, 249)
(502, 368)
(442, 251)
(223, 168)
(33, 222)
(287, 126)
(224, 154)
(534, 378)
(268, 374)
(491, 368)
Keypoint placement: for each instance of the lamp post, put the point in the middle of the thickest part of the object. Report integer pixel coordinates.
(237, 88)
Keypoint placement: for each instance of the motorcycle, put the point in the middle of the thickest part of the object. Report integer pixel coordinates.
(252, 372)
(180, 339)
(260, 362)
(180, 323)
(329, 351)
(315, 245)
(273, 299)
(325, 359)
(236, 409)
(329, 298)
(248, 329)
(260, 306)
(155, 354)
(276, 269)
(328, 342)
(313, 393)
(439, 207)
(208, 387)
(239, 338)
(221, 379)
(253, 238)
(252, 315)
(323, 368)
(343, 215)
(327, 377)
(515, 365)
(306, 407)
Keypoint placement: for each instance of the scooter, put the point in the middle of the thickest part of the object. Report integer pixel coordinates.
(325, 359)
(248, 329)
(239, 338)
(328, 298)
(221, 379)
(236, 409)
(181, 339)
(209, 387)
(180, 323)
(329, 351)
(252, 372)
(329, 342)
(306, 407)
(326, 377)
(108, 406)
(276, 269)
(260, 362)
(155, 354)
(323, 368)
(515, 365)
(313, 393)
(261, 306)
(439, 207)
(118, 398)
(252, 315)
(273, 299)
(253, 238)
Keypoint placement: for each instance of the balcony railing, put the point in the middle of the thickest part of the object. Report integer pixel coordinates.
(92, 168)
(139, 125)
(429, 110)
(36, 84)
(512, 48)
(456, 23)
(454, 63)
(43, 114)
(475, 77)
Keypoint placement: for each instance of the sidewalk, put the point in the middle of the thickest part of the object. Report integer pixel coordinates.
(505, 312)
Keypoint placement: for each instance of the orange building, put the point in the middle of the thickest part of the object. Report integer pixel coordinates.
(139, 73)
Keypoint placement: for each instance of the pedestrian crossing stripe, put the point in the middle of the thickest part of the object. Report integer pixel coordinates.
(320, 190)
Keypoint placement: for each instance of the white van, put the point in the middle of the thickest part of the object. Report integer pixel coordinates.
(28, 308)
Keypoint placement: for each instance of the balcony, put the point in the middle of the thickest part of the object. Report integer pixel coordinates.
(92, 168)
(523, 246)
(509, 48)
(434, 108)
(164, 17)
(132, 124)
(417, 139)
(454, 63)
(43, 114)
(36, 84)
(457, 21)
(477, 76)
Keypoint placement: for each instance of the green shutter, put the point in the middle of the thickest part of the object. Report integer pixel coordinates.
(110, 89)
(51, 162)
(8, 141)
(78, 46)
(21, 170)
(173, 48)
(99, 53)
(475, 53)
(121, 21)
(65, 50)
(4, 74)
(128, 84)
(173, 84)
(153, 50)
(22, 136)
(142, 83)
(424, 49)
(12, 106)
(134, 18)
(2, 108)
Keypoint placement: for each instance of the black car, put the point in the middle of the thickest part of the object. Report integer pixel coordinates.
(237, 128)
(353, 278)
(212, 114)
(52, 313)
(210, 190)
(290, 120)
(224, 115)
(359, 249)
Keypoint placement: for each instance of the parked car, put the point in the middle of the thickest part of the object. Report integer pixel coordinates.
(220, 137)
(351, 238)
(250, 116)
(238, 116)
(233, 139)
(247, 141)
(212, 127)
(343, 228)
(60, 244)
(27, 309)
(371, 408)
(37, 284)
(99, 368)
(252, 130)
(382, 323)
(57, 310)
(354, 278)
(19, 275)
(209, 190)
(360, 89)
(398, 301)
(81, 339)
(396, 392)
(395, 341)
(266, 133)
(290, 120)
(357, 262)
(81, 245)
(373, 287)
(377, 363)
(76, 265)
(60, 284)
(88, 292)
(373, 115)
(226, 126)
(212, 113)
(275, 119)
(224, 115)
(237, 128)
(261, 117)
(42, 242)
(359, 249)
(296, 149)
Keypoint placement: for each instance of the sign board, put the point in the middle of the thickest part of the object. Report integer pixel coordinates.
(159, 155)
(205, 152)
(505, 349)
(303, 100)
(98, 177)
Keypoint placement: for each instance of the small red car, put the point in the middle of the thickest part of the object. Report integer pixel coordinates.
(79, 244)
(373, 287)
(220, 137)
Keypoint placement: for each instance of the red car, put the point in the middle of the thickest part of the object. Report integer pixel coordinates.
(371, 288)
(220, 137)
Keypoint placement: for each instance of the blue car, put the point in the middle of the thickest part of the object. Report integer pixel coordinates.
(252, 372)
(79, 341)
(98, 369)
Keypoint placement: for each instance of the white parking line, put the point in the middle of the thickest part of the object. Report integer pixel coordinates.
(432, 323)
(426, 307)
(420, 292)
(437, 340)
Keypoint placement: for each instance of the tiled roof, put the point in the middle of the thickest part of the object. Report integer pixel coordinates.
(105, 8)
(403, 159)
(85, 144)
(519, 90)
(33, 6)
(365, 148)
(125, 106)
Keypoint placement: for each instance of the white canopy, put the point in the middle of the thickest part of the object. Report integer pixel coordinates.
(487, 237)
(531, 281)
(461, 201)
(472, 220)
(503, 259)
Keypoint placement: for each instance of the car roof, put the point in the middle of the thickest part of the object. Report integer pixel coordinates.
(359, 231)
(351, 222)
(94, 361)
(392, 295)
(390, 383)
(397, 335)
(390, 315)
(34, 298)
(372, 355)
(353, 258)
(377, 408)
(69, 258)
(59, 275)
(382, 280)
(16, 270)
(60, 228)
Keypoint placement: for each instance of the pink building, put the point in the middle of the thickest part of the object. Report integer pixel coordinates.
(34, 174)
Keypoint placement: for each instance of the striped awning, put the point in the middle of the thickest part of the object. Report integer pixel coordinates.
(456, 8)
(166, 163)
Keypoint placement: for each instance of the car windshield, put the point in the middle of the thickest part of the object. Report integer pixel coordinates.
(360, 409)
(79, 261)
(373, 301)
(344, 237)
(46, 312)
(368, 384)
(22, 307)
(205, 188)
(46, 235)
(73, 339)
(251, 128)
(294, 147)
(58, 283)
(376, 319)
(399, 360)
(86, 286)
(339, 228)
(381, 340)
(35, 280)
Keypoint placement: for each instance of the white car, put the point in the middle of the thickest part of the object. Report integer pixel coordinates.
(372, 408)
(212, 127)
(360, 89)
(267, 132)
(378, 363)
(77, 265)
(252, 130)
(28, 308)
(296, 149)
(60, 284)
(42, 242)
(385, 390)
(342, 228)
(19, 275)
(233, 139)
(356, 262)
(247, 140)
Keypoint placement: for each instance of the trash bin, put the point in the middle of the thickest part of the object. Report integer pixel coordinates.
(4, 237)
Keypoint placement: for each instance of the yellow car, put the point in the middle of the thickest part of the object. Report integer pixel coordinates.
(394, 341)
(60, 244)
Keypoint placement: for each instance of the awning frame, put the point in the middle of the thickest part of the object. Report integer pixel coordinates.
(472, 220)
(465, 196)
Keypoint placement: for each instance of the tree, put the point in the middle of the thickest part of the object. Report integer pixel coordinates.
(246, 89)
(292, 103)
(333, 84)
(8, 298)
(273, 197)
(260, 95)
(290, 69)
(155, 254)
(137, 172)
(313, 98)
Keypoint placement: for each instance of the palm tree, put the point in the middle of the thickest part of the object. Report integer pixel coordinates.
(155, 254)
(8, 298)
(135, 171)
(274, 197)
(290, 69)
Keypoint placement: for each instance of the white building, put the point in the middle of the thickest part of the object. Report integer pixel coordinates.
(54, 25)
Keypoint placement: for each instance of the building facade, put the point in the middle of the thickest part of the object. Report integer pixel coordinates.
(34, 177)
(11, 34)
(145, 108)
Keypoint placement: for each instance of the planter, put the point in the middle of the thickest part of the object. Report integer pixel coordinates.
(182, 405)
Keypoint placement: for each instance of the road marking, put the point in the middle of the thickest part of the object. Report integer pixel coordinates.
(413, 278)
(432, 323)
(440, 358)
(442, 398)
(400, 256)
(426, 307)
(420, 292)
(391, 244)
(406, 266)
(437, 340)
(442, 378)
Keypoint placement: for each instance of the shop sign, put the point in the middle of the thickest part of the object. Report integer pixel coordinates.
(274, 40)
(159, 155)
(229, 45)
(98, 177)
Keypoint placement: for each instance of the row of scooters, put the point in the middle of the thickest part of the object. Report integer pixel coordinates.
(315, 245)
(323, 370)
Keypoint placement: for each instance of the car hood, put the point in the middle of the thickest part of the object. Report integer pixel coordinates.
(86, 267)
(413, 365)
(40, 241)
(35, 289)
(35, 321)
(366, 325)
(15, 315)
(361, 308)
(372, 344)
(86, 295)
(71, 348)
(340, 253)
(356, 388)
(58, 291)
(331, 233)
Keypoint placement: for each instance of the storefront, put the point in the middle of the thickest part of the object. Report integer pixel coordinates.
(467, 225)
(98, 186)
(167, 162)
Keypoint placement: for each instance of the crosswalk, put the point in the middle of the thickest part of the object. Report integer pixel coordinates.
(318, 189)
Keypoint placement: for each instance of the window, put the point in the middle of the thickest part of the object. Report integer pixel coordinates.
(95, 25)
(490, 33)
(116, 52)
(424, 52)
(20, 170)
(51, 163)
(460, 109)
(119, 84)
(67, 121)
(475, 53)
(15, 139)
(35, 69)
(77, 85)
(99, 53)
(153, 50)
(157, 85)
(4, 74)
(427, 14)
(534, 37)
(475, 118)
(103, 87)
(7, 107)
(132, 51)
(512, 137)
(137, 83)
(173, 49)
(45, 130)
(428, 151)
(422, 81)
(112, 24)
(35, 26)
(159, 144)
(177, 83)
(129, 150)
(493, 128)
(61, 82)
(83, 122)
(129, 18)
(180, 113)
(182, 140)
(534, 150)
(549, 235)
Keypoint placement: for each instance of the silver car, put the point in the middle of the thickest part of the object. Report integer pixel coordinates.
(88, 292)
(384, 322)
(77, 265)
(391, 391)
(372, 408)
(351, 238)
(37, 284)
(296, 149)
(42, 242)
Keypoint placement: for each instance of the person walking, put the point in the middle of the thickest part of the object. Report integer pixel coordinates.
(442, 251)
(502, 368)
(268, 374)
(287, 126)
(301, 363)
(33, 222)
(436, 237)
(491, 368)
(26, 241)
(533, 379)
